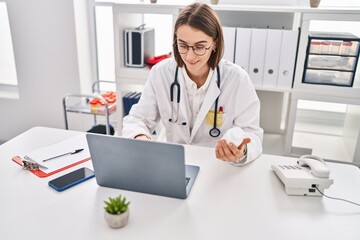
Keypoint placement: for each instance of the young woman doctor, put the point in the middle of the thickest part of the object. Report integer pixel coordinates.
(199, 98)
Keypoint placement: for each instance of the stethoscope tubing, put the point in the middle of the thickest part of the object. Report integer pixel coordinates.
(214, 131)
(173, 85)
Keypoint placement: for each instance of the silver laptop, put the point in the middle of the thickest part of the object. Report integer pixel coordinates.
(142, 166)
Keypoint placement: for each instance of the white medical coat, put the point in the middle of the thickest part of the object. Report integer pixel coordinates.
(237, 96)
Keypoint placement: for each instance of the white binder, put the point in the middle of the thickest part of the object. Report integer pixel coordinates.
(287, 58)
(272, 57)
(257, 55)
(229, 46)
(242, 47)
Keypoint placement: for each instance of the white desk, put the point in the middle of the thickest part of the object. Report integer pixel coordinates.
(226, 202)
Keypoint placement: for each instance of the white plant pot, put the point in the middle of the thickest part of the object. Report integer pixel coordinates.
(117, 221)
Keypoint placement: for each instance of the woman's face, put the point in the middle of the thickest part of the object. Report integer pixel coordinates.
(201, 43)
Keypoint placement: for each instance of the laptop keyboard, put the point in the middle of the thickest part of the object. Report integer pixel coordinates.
(187, 180)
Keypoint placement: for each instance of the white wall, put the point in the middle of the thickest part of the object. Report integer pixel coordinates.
(47, 65)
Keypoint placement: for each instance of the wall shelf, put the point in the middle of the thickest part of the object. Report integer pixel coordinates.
(287, 17)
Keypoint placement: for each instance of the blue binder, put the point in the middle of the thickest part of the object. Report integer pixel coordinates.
(126, 102)
(134, 99)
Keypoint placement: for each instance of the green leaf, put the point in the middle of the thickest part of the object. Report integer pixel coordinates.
(116, 205)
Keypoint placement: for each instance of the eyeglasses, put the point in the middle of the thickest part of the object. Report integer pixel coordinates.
(199, 50)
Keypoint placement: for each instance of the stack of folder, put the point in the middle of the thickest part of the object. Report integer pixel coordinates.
(268, 55)
(129, 100)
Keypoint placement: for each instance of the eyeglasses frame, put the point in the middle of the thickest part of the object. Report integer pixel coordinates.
(206, 49)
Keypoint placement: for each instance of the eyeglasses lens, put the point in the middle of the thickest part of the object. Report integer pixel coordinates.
(198, 50)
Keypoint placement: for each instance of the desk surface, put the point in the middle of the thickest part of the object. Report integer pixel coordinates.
(226, 202)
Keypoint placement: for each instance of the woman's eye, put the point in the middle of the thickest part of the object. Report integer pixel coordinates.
(199, 47)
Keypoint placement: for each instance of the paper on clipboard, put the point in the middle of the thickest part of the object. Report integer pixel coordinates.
(68, 145)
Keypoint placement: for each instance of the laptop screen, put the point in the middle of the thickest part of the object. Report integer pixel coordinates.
(141, 166)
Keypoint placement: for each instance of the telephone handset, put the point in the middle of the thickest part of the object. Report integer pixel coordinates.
(310, 173)
(316, 164)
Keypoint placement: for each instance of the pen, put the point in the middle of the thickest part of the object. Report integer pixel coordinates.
(68, 153)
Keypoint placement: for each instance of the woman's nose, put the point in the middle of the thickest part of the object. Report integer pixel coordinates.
(191, 52)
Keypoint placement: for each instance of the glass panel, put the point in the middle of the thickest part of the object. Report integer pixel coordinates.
(163, 25)
(336, 26)
(328, 77)
(105, 42)
(7, 61)
(329, 130)
(322, 106)
(349, 3)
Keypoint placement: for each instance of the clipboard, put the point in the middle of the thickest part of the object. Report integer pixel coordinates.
(42, 174)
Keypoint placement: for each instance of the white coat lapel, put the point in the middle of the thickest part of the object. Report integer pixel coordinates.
(212, 93)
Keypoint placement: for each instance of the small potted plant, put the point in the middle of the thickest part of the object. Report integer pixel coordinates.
(116, 212)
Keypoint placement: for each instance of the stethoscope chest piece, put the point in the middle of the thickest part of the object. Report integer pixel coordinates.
(214, 132)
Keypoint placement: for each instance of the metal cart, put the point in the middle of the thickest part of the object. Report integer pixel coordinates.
(83, 105)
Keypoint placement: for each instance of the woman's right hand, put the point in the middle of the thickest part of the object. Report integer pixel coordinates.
(142, 137)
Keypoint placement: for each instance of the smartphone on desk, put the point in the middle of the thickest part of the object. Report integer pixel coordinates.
(71, 179)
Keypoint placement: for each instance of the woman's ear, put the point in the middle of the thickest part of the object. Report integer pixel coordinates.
(214, 46)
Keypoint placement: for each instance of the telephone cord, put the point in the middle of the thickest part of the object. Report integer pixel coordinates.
(340, 199)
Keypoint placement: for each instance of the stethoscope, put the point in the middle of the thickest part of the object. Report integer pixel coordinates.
(214, 131)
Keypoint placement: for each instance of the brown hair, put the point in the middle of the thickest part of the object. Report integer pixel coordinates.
(202, 17)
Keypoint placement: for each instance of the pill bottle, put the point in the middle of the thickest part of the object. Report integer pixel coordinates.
(354, 48)
(345, 48)
(325, 47)
(335, 47)
(315, 46)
